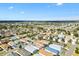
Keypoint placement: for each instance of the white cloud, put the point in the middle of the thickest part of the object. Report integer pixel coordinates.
(11, 7)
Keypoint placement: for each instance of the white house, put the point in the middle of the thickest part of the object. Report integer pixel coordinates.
(74, 41)
(61, 36)
(54, 46)
(30, 48)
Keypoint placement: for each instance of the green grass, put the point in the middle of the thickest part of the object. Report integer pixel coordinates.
(3, 53)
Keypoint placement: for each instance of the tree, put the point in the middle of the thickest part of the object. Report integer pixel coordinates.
(68, 32)
(70, 41)
(61, 30)
(77, 28)
(1, 37)
(65, 45)
(45, 45)
(75, 34)
(20, 46)
(51, 42)
(77, 50)
(57, 40)
(77, 41)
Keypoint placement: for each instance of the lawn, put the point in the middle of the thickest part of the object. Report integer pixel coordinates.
(75, 54)
(3, 53)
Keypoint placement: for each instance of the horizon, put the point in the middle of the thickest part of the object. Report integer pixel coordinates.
(39, 20)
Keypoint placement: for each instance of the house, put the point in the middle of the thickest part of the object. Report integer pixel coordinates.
(55, 49)
(12, 54)
(30, 48)
(4, 46)
(44, 52)
(67, 38)
(40, 43)
(4, 41)
(37, 54)
(23, 52)
(74, 41)
(16, 41)
(0, 42)
(12, 44)
(54, 46)
(14, 37)
(23, 40)
(59, 40)
(44, 41)
(8, 33)
(61, 36)
(55, 38)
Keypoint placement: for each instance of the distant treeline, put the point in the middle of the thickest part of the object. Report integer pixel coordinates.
(39, 22)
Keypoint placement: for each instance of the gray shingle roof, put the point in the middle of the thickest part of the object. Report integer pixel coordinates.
(23, 52)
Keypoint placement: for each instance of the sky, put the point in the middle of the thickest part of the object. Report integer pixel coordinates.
(39, 11)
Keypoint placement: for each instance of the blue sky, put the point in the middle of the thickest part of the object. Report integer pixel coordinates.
(39, 11)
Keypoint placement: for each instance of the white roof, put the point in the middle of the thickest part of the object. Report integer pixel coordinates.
(11, 43)
(57, 47)
(16, 41)
(30, 48)
(61, 35)
(35, 47)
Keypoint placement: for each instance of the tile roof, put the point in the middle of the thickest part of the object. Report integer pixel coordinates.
(45, 53)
